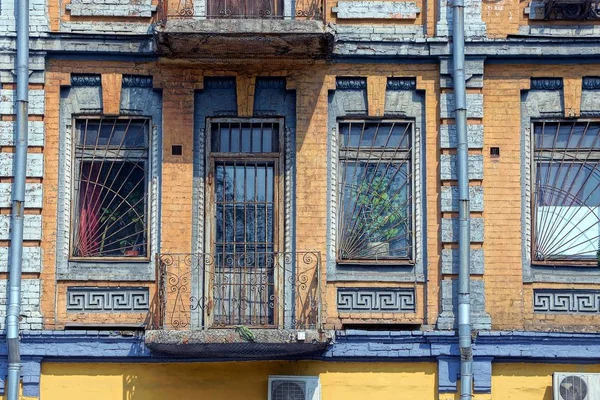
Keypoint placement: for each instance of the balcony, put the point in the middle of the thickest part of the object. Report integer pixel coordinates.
(563, 10)
(252, 304)
(243, 29)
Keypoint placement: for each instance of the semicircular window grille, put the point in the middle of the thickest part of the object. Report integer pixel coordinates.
(111, 196)
(566, 200)
(375, 193)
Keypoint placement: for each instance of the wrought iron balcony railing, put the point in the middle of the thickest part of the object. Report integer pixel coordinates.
(235, 9)
(255, 289)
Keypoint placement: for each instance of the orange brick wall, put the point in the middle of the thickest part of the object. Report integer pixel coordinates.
(504, 17)
(508, 300)
(312, 84)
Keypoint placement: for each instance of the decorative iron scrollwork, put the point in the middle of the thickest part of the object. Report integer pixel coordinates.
(271, 289)
(186, 8)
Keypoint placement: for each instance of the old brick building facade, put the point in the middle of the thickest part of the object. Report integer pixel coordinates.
(199, 168)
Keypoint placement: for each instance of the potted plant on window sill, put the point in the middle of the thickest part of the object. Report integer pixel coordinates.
(382, 216)
(130, 248)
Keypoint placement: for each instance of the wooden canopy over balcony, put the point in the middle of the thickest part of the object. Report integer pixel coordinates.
(243, 29)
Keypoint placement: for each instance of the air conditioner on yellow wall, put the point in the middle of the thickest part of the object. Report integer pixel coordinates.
(576, 386)
(294, 388)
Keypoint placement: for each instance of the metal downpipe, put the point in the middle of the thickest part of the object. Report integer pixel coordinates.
(464, 242)
(18, 199)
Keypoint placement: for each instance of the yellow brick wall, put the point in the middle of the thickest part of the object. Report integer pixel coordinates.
(234, 380)
(518, 381)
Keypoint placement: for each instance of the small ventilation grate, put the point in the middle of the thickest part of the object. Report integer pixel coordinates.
(288, 390)
(573, 388)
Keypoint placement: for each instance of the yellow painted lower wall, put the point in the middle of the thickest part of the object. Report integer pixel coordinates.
(520, 381)
(234, 380)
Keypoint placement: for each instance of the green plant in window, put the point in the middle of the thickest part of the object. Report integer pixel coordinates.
(381, 210)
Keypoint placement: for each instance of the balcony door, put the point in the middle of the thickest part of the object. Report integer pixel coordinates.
(244, 221)
(245, 8)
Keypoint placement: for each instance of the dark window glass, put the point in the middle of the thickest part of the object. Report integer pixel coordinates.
(245, 160)
(375, 178)
(111, 168)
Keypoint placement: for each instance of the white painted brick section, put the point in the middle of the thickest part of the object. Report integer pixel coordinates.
(30, 304)
(133, 28)
(378, 32)
(449, 169)
(376, 10)
(111, 8)
(38, 16)
(32, 259)
(33, 195)
(449, 140)
(449, 196)
(7, 66)
(474, 105)
(32, 227)
(35, 165)
(8, 97)
(474, 25)
(35, 129)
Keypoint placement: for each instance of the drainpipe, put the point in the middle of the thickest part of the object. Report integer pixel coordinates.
(464, 242)
(18, 198)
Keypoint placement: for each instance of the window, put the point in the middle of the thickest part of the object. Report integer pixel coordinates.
(245, 9)
(246, 225)
(111, 188)
(375, 191)
(566, 200)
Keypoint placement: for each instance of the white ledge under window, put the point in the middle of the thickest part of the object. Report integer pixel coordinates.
(111, 8)
(376, 10)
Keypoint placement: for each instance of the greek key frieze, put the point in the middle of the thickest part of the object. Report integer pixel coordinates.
(566, 301)
(376, 300)
(118, 299)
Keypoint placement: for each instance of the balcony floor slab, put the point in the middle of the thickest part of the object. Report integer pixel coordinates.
(243, 38)
(227, 343)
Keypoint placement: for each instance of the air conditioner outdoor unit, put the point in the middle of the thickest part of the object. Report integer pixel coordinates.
(294, 388)
(576, 386)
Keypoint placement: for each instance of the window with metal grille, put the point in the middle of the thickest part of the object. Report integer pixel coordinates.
(566, 200)
(110, 217)
(375, 191)
(246, 227)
